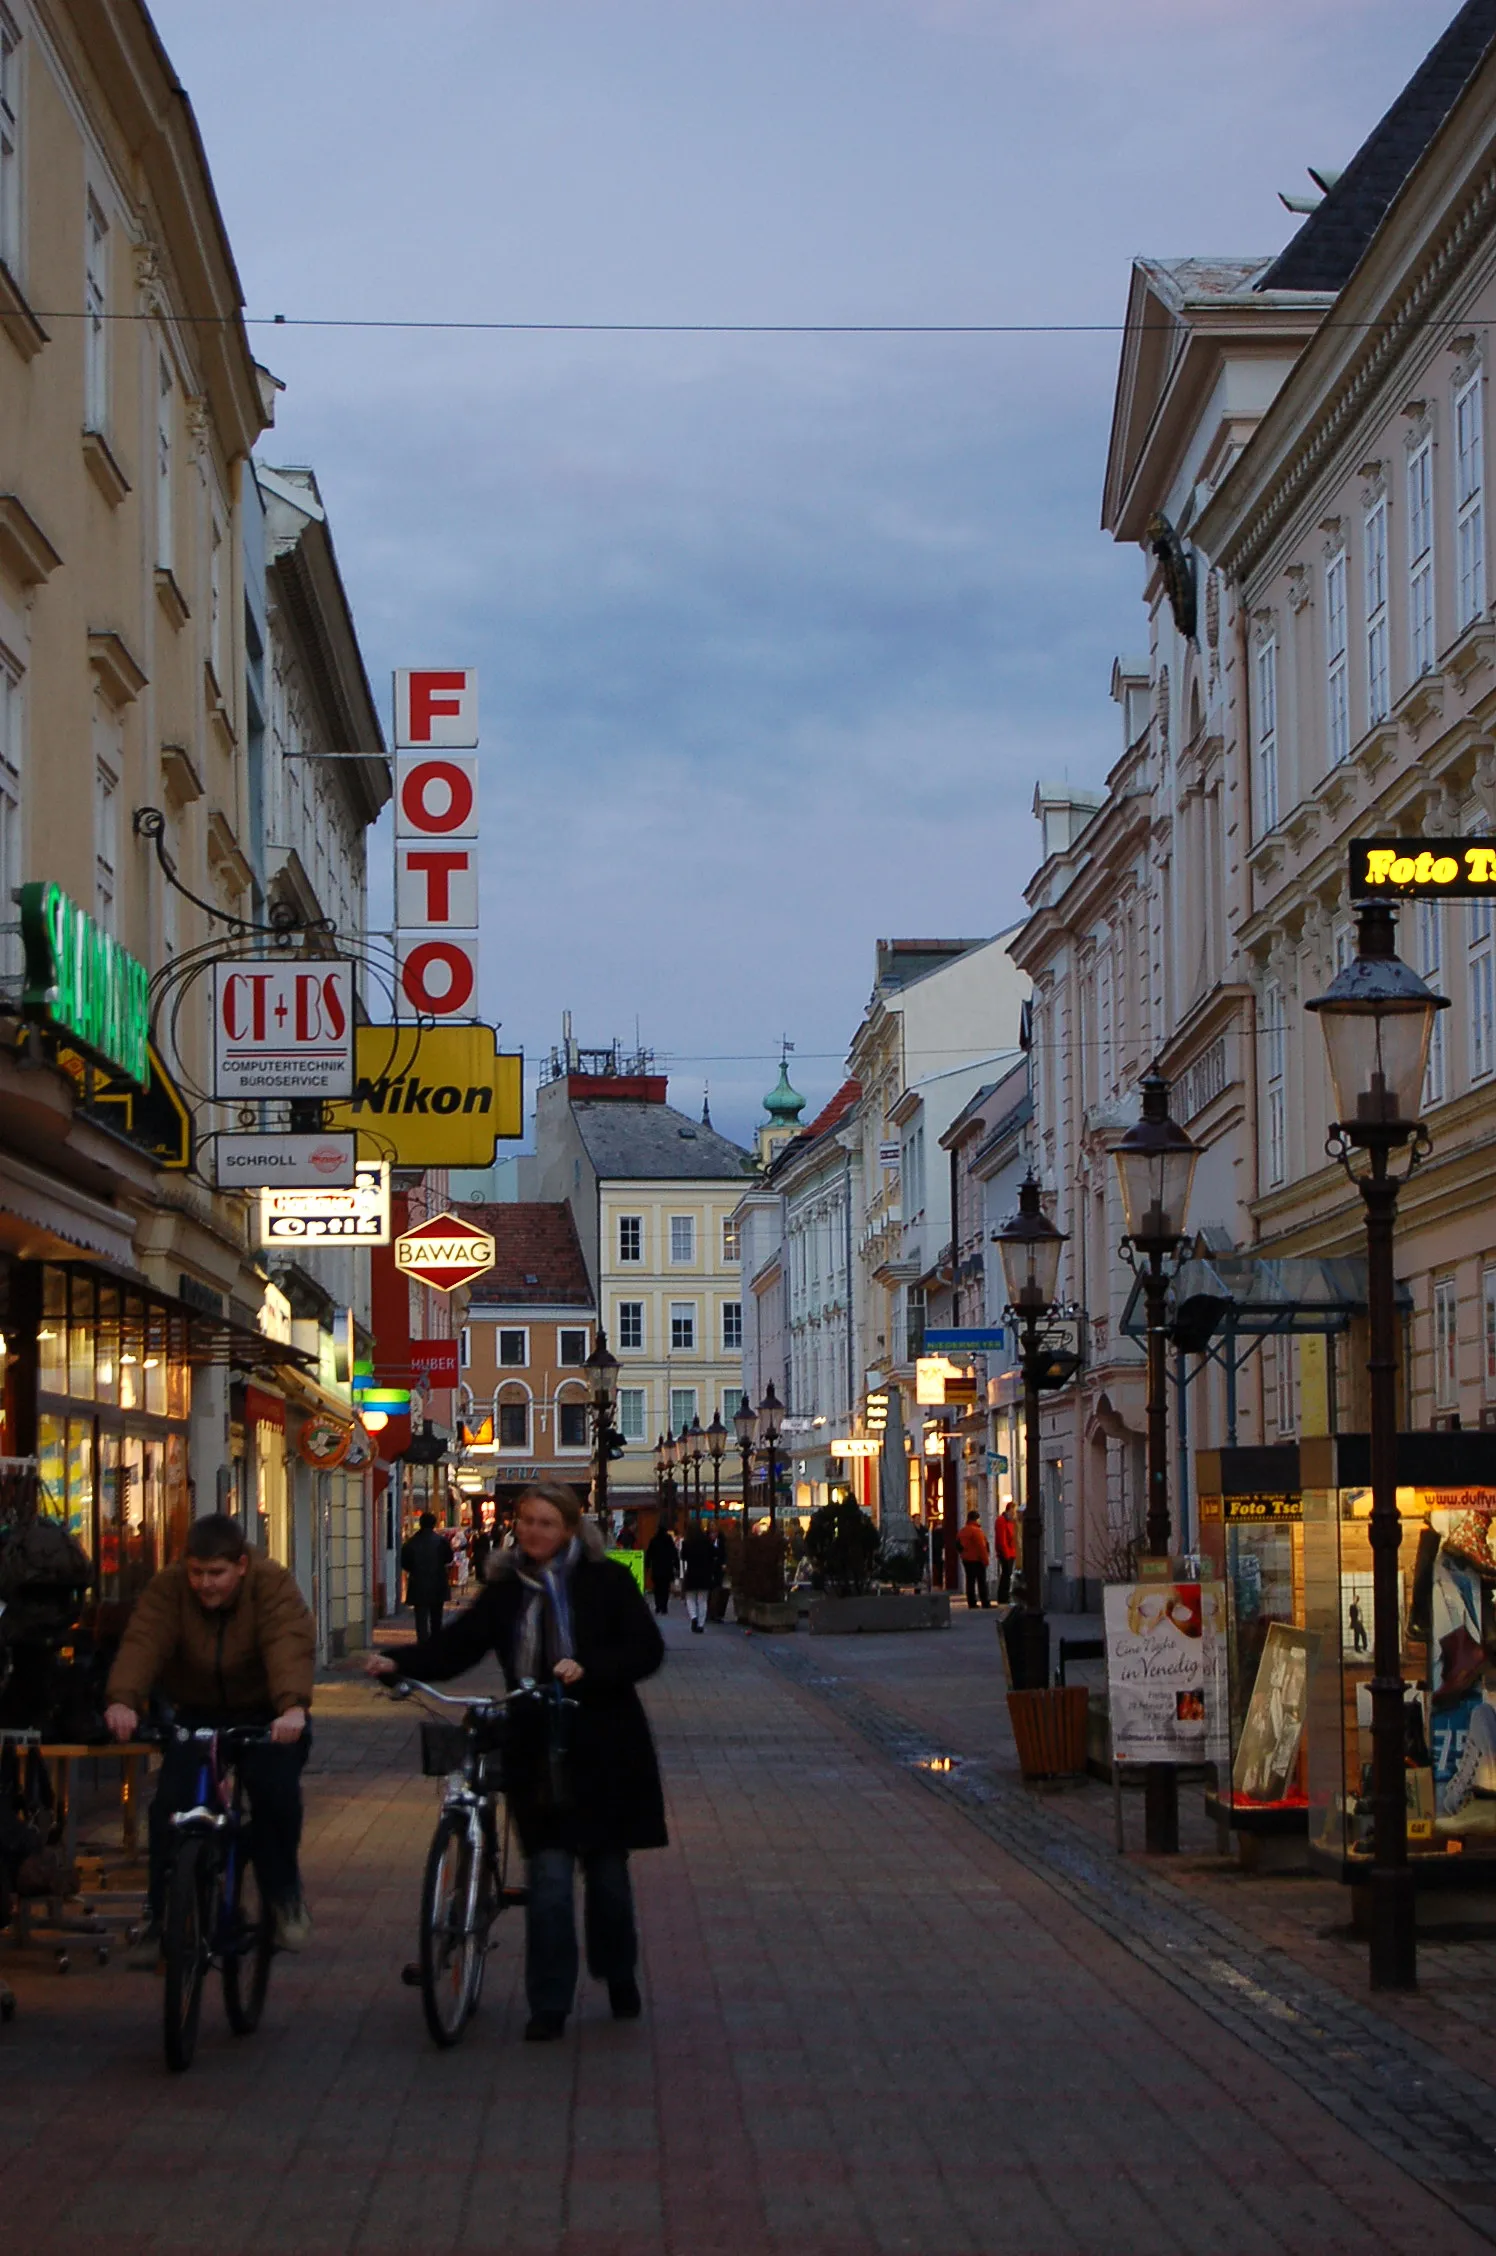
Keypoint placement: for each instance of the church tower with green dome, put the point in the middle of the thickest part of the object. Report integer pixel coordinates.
(784, 1105)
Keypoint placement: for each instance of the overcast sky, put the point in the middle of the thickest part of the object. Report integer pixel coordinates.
(775, 635)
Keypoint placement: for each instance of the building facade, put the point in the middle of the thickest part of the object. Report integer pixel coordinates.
(528, 1328)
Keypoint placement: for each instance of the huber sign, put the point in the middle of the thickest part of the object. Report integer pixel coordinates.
(445, 1252)
(282, 1028)
(83, 983)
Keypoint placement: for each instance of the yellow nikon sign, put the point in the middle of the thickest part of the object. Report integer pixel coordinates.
(431, 1096)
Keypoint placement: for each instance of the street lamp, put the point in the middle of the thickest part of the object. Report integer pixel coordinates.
(745, 1426)
(1030, 1245)
(1377, 1017)
(601, 1367)
(694, 1441)
(1156, 1164)
(670, 1450)
(770, 1421)
(716, 1443)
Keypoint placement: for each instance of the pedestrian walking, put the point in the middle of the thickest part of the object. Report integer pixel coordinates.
(1005, 1541)
(972, 1545)
(661, 1565)
(700, 1573)
(557, 1608)
(426, 1562)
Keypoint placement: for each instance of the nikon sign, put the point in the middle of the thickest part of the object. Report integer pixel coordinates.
(82, 983)
(431, 1097)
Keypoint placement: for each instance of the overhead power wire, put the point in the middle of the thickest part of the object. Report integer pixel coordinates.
(1458, 323)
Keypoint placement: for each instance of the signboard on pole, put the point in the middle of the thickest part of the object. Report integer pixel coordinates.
(282, 1027)
(299, 1162)
(445, 1252)
(966, 1340)
(856, 1447)
(360, 1216)
(432, 1096)
(1422, 869)
(1165, 1671)
(436, 841)
(434, 1360)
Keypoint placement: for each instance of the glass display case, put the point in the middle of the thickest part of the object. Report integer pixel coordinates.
(1252, 1539)
(1446, 1499)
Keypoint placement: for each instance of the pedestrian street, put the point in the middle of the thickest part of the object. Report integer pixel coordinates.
(869, 2026)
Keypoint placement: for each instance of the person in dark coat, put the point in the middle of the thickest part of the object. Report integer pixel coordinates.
(556, 1608)
(700, 1573)
(661, 1565)
(426, 1562)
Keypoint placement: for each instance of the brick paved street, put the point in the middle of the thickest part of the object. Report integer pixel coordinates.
(870, 2028)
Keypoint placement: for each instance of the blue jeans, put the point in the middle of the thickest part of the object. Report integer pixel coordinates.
(551, 1924)
(272, 1779)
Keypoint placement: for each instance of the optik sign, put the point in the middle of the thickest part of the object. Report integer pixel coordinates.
(282, 1029)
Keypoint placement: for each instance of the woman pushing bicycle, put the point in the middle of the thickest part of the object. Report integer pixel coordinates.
(555, 1609)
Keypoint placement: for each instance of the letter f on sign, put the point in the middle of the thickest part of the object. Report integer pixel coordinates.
(436, 707)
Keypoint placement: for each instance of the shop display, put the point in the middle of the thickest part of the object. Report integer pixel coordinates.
(1251, 1533)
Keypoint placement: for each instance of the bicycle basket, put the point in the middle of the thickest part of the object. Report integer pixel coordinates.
(443, 1748)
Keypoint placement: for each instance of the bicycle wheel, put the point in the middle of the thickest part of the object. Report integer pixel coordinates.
(185, 1941)
(248, 1943)
(490, 1899)
(450, 1946)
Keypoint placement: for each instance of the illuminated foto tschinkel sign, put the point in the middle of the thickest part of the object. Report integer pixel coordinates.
(1423, 868)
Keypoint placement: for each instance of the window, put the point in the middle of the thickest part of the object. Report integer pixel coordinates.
(164, 481)
(682, 1408)
(631, 1323)
(514, 1350)
(1285, 1374)
(1446, 1343)
(571, 1348)
(1469, 511)
(1488, 1326)
(914, 1322)
(732, 1403)
(1274, 1069)
(464, 1347)
(1430, 954)
(106, 840)
(1482, 992)
(10, 814)
(631, 1237)
(514, 1425)
(683, 1326)
(215, 599)
(1375, 577)
(1267, 736)
(95, 319)
(10, 144)
(633, 1420)
(682, 1237)
(571, 1425)
(732, 1327)
(1337, 675)
(731, 1238)
(1421, 557)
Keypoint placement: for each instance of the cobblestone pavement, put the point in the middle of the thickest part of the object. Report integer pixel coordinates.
(879, 2018)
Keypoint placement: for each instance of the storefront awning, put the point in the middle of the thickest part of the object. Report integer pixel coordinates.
(64, 1214)
(1243, 1294)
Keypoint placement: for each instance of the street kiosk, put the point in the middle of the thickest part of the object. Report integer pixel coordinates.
(1252, 1538)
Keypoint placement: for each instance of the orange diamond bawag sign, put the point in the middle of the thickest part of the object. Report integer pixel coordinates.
(445, 1252)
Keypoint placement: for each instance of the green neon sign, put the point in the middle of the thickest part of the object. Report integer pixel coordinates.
(83, 983)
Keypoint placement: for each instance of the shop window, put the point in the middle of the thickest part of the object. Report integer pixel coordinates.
(51, 1467)
(80, 1472)
(52, 1334)
(106, 1345)
(571, 1425)
(81, 1340)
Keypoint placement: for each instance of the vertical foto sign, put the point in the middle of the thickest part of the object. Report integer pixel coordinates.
(436, 841)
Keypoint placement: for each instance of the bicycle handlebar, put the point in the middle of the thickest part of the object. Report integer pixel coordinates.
(401, 1687)
(181, 1735)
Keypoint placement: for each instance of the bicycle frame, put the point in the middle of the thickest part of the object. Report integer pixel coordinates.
(218, 1815)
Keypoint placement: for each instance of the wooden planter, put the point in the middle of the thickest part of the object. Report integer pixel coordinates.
(1049, 1730)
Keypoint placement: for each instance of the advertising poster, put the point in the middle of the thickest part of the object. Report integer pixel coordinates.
(1165, 1681)
(1268, 1752)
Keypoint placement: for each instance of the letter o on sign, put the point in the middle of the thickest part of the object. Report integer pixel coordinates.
(436, 797)
(1445, 870)
(438, 977)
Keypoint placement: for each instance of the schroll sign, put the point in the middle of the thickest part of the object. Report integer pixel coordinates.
(1423, 869)
(82, 983)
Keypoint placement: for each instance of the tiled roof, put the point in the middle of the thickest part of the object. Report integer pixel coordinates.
(832, 1114)
(653, 1142)
(1329, 246)
(538, 1257)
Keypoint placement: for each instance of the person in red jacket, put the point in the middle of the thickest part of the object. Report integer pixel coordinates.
(972, 1545)
(1005, 1536)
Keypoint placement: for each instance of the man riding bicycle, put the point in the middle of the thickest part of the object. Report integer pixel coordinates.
(227, 1638)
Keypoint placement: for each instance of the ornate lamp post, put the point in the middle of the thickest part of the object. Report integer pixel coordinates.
(694, 1442)
(601, 1367)
(770, 1421)
(745, 1426)
(1377, 1017)
(671, 1449)
(716, 1443)
(661, 1467)
(1156, 1164)
(1030, 1246)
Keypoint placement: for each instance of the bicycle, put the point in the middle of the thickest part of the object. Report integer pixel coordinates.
(216, 1913)
(465, 1887)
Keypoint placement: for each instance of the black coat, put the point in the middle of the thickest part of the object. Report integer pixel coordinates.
(701, 1568)
(427, 1563)
(617, 1799)
(661, 1559)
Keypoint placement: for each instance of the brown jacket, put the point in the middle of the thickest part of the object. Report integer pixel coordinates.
(254, 1658)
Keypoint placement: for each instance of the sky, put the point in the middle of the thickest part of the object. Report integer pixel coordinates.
(775, 634)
